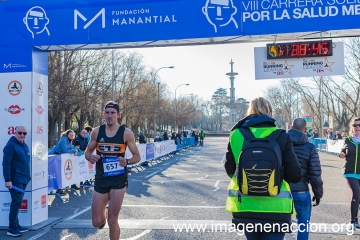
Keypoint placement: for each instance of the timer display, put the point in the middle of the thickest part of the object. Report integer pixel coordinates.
(299, 49)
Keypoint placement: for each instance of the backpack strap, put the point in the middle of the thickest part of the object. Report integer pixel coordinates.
(247, 134)
(275, 134)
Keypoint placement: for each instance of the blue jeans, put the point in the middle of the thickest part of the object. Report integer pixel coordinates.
(302, 203)
(16, 200)
(264, 236)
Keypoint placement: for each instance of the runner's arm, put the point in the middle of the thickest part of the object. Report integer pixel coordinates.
(130, 141)
(91, 147)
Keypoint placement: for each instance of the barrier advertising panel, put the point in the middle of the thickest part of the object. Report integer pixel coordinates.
(54, 171)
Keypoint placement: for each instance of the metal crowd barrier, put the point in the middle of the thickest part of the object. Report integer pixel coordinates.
(67, 169)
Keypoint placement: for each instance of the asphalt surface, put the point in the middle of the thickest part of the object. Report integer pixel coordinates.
(186, 188)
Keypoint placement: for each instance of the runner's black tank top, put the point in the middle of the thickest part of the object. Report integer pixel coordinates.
(109, 147)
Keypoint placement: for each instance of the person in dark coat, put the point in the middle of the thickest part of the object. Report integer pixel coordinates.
(82, 139)
(142, 138)
(165, 136)
(316, 134)
(16, 172)
(308, 158)
(261, 124)
(350, 152)
(173, 137)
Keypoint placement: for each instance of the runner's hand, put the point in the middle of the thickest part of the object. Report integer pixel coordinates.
(342, 155)
(8, 185)
(94, 158)
(122, 161)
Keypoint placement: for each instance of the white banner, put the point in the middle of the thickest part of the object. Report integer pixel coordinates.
(142, 150)
(68, 172)
(15, 92)
(39, 205)
(334, 145)
(299, 67)
(24, 212)
(39, 132)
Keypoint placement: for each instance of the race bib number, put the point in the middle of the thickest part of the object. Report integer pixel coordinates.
(112, 167)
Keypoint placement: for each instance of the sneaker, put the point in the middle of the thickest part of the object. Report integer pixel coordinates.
(357, 225)
(22, 229)
(354, 225)
(14, 232)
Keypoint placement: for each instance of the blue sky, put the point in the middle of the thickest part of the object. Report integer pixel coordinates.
(205, 68)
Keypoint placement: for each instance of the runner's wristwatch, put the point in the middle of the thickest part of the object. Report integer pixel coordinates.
(128, 161)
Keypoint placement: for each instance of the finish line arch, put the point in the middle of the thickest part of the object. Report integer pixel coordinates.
(30, 28)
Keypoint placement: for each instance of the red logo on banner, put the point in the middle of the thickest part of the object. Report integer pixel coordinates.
(24, 204)
(11, 130)
(68, 168)
(14, 87)
(43, 200)
(39, 109)
(14, 109)
(39, 130)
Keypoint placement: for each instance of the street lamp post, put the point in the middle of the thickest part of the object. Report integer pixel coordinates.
(187, 84)
(158, 99)
(159, 103)
(113, 75)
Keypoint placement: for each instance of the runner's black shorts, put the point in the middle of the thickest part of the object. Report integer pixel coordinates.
(105, 185)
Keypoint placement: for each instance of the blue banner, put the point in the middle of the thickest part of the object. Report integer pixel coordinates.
(40, 62)
(149, 151)
(54, 171)
(46, 23)
(14, 59)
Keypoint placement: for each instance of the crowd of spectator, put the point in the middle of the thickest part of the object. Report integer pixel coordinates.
(68, 143)
(330, 134)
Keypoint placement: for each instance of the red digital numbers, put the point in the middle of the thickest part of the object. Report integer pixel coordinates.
(325, 49)
(295, 50)
(300, 50)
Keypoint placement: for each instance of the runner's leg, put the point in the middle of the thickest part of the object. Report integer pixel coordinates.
(116, 199)
(98, 205)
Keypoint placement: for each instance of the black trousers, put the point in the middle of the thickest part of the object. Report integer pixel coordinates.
(16, 200)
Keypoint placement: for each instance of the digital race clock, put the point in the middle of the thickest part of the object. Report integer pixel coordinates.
(299, 49)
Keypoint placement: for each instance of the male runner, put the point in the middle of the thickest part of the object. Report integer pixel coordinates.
(110, 141)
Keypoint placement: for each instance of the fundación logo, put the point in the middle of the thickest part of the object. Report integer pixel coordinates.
(14, 87)
(36, 21)
(78, 14)
(14, 65)
(220, 13)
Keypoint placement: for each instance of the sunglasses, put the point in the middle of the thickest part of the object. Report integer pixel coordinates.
(356, 125)
(22, 133)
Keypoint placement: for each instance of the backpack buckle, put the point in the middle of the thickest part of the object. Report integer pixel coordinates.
(239, 197)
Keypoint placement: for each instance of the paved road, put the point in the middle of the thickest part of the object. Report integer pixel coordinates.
(188, 188)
